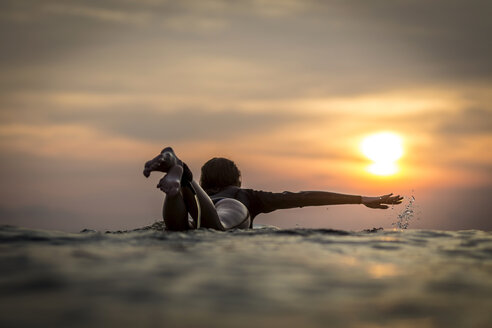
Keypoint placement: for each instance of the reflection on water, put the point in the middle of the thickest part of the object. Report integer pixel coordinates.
(265, 277)
(382, 270)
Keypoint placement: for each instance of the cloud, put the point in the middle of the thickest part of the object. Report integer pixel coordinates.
(187, 124)
(66, 142)
(448, 34)
(469, 121)
(142, 121)
(312, 47)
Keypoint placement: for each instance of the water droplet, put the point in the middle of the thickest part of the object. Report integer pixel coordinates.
(403, 219)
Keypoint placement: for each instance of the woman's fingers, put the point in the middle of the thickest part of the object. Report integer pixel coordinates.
(397, 199)
(394, 200)
(390, 199)
(382, 201)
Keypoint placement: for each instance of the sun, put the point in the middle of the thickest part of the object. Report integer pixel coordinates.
(384, 149)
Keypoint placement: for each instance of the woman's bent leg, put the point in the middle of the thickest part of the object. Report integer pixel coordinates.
(174, 212)
(226, 214)
(229, 213)
(180, 200)
(180, 189)
(209, 217)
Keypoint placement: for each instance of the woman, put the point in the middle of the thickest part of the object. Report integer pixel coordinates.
(219, 202)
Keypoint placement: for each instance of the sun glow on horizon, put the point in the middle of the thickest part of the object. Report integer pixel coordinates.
(384, 149)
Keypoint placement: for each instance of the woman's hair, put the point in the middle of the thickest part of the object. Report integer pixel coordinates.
(219, 173)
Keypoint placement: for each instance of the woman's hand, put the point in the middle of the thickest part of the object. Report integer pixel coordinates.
(381, 201)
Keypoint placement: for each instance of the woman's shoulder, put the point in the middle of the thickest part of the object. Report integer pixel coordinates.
(228, 192)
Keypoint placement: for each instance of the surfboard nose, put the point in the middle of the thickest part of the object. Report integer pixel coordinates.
(233, 214)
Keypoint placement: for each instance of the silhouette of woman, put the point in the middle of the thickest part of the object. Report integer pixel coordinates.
(219, 202)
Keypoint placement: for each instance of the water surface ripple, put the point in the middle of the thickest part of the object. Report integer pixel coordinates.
(265, 277)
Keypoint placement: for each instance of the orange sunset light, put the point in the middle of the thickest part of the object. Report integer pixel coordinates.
(383, 149)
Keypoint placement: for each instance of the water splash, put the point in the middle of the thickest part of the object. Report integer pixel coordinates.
(404, 218)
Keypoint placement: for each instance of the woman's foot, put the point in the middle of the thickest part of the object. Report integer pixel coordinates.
(176, 170)
(162, 162)
(171, 182)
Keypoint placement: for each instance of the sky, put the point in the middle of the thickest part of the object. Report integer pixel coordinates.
(90, 90)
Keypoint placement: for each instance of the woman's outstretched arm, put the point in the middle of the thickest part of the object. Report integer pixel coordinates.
(265, 202)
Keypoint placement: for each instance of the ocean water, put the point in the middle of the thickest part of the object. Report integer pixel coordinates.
(265, 277)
